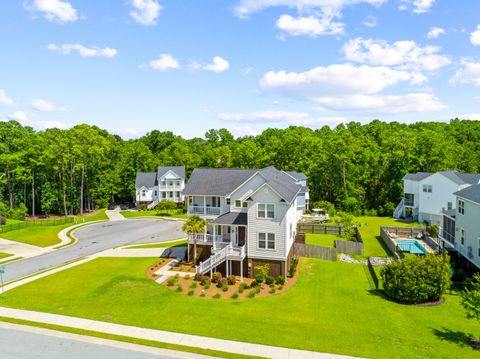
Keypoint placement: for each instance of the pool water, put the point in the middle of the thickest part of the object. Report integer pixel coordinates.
(411, 246)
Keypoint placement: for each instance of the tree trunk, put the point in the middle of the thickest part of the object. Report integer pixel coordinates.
(81, 190)
(62, 185)
(10, 188)
(33, 193)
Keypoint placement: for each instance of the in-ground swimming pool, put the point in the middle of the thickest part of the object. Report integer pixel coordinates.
(410, 245)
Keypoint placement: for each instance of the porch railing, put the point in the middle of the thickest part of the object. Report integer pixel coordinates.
(214, 211)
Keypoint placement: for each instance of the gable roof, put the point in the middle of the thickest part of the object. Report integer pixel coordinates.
(299, 176)
(179, 170)
(417, 176)
(471, 193)
(281, 183)
(462, 178)
(146, 179)
(216, 181)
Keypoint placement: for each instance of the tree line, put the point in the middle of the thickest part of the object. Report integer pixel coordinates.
(358, 168)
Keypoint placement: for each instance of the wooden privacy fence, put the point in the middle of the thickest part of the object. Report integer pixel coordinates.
(317, 228)
(36, 223)
(307, 250)
(389, 234)
(349, 247)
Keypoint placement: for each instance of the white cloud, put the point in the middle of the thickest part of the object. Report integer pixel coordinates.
(19, 116)
(475, 37)
(405, 54)
(471, 116)
(244, 131)
(5, 100)
(126, 132)
(310, 25)
(435, 32)
(219, 64)
(418, 6)
(370, 21)
(145, 12)
(45, 106)
(263, 116)
(468, 74)
(164, 62)
(55, 10)
(51, 124)
(83, 51)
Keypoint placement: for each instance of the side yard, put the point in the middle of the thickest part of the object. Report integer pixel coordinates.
(154, 213)
(330, 309)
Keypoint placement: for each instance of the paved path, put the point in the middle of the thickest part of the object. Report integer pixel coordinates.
(96, 238)
(25, 342)
(114, 215)
(167, 337)
(19, 249)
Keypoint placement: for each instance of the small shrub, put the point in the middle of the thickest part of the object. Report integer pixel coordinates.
(293, 267)
(280, 280)
(272, 290)
(280, 287)
(177, 276)
(254, 284)
(171, 282)
(251, 293)
(193, 285)
(216, 277)
(259, 278)
(217, 296)
(231, 280)
(261, 272)
(179, 288)
(205, 280)
(257, 290)
(234, 295)
(272, 285)
(225, 288)
(242, 287)
(202, 294)
(198, 277)
(221, 282)
(187, 277)
(190, 292)
(269, 280)
(207, 285)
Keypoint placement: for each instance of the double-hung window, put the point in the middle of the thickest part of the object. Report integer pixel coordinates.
(240, 204)
(427, 188)
(265, 210)
(266, 240)
(462, 236)
(461, 206)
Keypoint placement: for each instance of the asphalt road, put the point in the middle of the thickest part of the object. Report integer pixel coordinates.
(95, 238)
(19, 344)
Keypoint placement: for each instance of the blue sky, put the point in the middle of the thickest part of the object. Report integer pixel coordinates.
(131, 66)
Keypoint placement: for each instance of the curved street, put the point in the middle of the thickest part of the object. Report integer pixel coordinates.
(96, 238)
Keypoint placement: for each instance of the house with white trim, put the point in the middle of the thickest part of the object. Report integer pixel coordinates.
(252, 216)
(167, 183)
(428, 195)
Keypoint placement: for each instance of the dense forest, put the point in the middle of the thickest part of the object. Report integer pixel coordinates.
(357, 167)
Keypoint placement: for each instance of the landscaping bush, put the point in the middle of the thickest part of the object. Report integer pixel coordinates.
(190, 292)
(216, 277)
(280, 280)
(179, 288)
(261, 272)
(217, 296)
(2, 220)
(293, 267)
(259, 278)
(417, 279)
(171, 282)
(187, 277)
(242, 287)
(433, 230)
(231, 279)
(272, 290)
(280, 287)
(252, 293)
(254, 284)
(221, 282)
(234, 295)
(193, 285)
(198, 277)
(224, 287)
(207, 285)
(269, 280)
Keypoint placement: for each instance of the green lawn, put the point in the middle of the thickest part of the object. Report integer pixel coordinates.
(325, 240)
(12, 221)
(330, 309)
(99, 215)
(179, 243)
(370, 231)
(153, 213)
(5, 255)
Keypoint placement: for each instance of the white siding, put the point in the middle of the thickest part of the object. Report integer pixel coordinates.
(250, 185)
(149, 194)
(410, 186)
(470, 223)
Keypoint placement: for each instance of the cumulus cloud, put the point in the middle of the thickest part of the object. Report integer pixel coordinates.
(370, 21)
(471, 116)
(405, 54)
(219, 64)
(417, 6)
(83, 51)
(164, 62)
(310, 25)
(19, 116)
(145, 12)
(45, 106)
(469, 74)
(50, 124)
(4, 99)
(475, 37)
(435, 32)
(55, 10)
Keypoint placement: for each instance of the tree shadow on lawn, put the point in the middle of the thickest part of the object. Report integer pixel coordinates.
(457, 337)
(383, 245)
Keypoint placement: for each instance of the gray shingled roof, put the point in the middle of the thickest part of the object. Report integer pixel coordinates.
(235, 218)
(281, 183)
(216, 181)
(471, 193)
(179, 170)
(299, 176)
(462, 178)
(417, 176)
(146, 179)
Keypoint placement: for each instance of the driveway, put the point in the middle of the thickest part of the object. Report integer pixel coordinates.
(96, 238)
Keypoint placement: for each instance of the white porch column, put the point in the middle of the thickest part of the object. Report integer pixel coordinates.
(241, 270)
(204, 205)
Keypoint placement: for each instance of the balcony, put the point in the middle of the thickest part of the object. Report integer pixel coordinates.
(408, 202)
(203, 210)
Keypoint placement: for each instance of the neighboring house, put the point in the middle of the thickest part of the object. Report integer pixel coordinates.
(461, 227)
(428, 195)
(252, 218)
(165, 184)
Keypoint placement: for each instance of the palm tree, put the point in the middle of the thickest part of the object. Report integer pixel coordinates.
(193, 226)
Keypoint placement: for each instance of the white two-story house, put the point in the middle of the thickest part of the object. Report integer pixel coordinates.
(252, 218)
(167, 183)
(428, 195)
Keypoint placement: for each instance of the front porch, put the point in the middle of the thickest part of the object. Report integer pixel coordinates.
(204, 205)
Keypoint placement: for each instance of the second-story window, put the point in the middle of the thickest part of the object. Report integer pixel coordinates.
(227, 201)
(178, 183)
(427, 188)
(144, 193)
(265, 210)
(266, 240)
(449, 205)
(461, 206)
(462, 236)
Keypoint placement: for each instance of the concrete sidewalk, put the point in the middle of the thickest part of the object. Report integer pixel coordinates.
(167, 337)
(19, 249)
(114, 214)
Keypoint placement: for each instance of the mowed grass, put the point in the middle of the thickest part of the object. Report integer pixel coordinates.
(330, 309)
(370, 231)
(179, 243)
(154, 213)
(324, 240)
(5, 255)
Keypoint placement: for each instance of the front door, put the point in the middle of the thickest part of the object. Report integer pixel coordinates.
(241, 236)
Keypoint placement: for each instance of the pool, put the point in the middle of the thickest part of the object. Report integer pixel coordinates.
(411, 245)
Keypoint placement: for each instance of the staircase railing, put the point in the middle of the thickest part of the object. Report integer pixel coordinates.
(214, 260)
(398, 211)
(153, 204)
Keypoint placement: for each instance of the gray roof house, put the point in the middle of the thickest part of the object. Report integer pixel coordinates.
(167, 183)
(252, 217)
